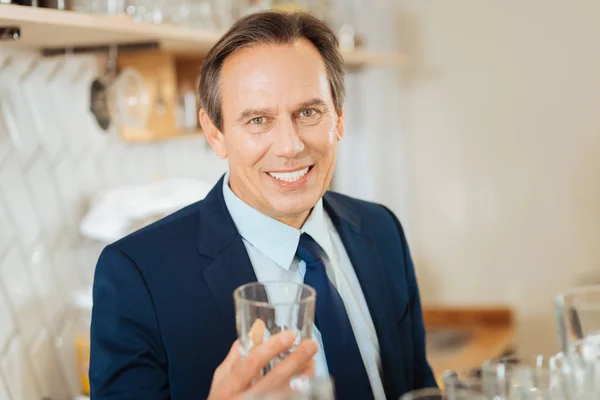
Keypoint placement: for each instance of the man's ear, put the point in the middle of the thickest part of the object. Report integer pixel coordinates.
(213, 135)
(340, 126)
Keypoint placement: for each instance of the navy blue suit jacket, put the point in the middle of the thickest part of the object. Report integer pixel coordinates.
(163, 316)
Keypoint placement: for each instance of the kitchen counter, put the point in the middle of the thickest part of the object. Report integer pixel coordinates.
(461, 339)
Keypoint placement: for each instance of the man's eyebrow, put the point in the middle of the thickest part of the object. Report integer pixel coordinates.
(317, 101)
(250, 112)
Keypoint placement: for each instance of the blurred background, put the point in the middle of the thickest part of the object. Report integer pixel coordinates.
(475, 121)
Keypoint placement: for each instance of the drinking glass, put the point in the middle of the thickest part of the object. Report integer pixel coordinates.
(264, 309)
(515, 378)
(438, 394)
(578, 314)
(580, 369)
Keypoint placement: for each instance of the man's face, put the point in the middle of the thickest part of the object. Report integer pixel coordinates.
(280, 128)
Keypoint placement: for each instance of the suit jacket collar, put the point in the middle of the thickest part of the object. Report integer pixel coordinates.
(340, 213)
(217, 229)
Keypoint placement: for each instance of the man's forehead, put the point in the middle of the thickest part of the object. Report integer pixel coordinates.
(268, 62)
(290, 73)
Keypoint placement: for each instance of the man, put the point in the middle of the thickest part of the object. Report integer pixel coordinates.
(163, 324)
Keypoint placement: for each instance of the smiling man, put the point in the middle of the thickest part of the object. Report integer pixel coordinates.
(163, 327)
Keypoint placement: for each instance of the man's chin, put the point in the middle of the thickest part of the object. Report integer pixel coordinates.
(293, 207)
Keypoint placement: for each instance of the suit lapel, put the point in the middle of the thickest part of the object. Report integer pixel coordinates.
(229, 271)
(369, 269)
(220, 241)
(364, 257)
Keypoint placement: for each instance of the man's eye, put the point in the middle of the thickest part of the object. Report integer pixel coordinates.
(308, 112)
(258, 120)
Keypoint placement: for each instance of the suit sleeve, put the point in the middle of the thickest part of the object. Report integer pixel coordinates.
(423, 376)
(127, 358)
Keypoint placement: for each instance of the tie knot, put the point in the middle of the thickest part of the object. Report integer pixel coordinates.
(308, 249)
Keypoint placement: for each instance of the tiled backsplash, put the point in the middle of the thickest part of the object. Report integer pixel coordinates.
(53, 160)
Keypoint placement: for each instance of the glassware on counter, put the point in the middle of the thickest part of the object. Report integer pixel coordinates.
(580, 369)
(438, 394)
(523, 378)
(578, 314)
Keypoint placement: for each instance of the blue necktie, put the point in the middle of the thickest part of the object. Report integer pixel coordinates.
(344, 361)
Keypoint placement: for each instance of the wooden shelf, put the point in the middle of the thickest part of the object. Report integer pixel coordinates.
(51, 29)
(490, 333)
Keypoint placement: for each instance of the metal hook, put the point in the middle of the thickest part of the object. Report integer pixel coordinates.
(112, 57)
(112, 68)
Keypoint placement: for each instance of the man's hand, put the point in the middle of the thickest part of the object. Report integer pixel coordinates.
(233, 378)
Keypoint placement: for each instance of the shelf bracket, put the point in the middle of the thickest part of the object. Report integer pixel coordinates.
(121, 48)
(10, 32)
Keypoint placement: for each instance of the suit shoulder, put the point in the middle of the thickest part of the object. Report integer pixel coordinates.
(366, 210)
(171, 226)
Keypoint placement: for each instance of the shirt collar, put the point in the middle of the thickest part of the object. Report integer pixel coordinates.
(275, 239)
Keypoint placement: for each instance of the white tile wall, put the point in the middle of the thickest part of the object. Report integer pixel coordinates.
(53, 159)
(8, 326)
(21, 295)
(17, 199)
(3, 390)
(18, 372)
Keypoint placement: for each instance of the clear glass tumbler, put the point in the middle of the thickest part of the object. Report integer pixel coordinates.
(580, 369)
(578, 315)
(264, 309)
(522, 378)
(437, 394)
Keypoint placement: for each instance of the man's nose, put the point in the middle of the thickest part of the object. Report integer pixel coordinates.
(288, 142)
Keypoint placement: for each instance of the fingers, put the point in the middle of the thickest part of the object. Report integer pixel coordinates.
(292, 365)
(248, 368)
(310, 369)
(232, 357)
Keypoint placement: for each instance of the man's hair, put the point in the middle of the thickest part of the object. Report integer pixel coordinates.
(270, 27)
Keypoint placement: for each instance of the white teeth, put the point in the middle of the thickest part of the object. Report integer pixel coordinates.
(289, 176)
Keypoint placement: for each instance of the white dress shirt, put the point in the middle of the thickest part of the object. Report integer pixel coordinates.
(272, 246)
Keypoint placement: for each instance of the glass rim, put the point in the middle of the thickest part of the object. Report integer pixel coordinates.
(575, 346)
(535, 361)
(578, 290)
(237, 294)
(428, 391)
